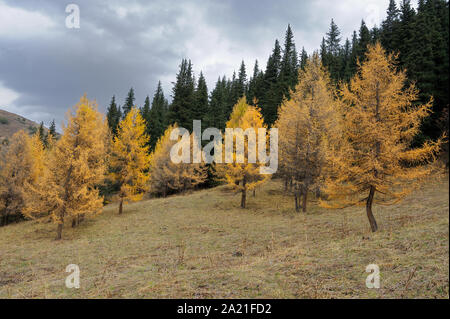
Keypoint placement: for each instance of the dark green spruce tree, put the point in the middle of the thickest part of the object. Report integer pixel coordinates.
(303, 58)
(405, 31)
(289, 65)
(129, 102)
(235, 91)
(42, 135)
(389, 27)
(145, 112)
(200, 109)
(255, 85)
(363, 41)
(113, 116)
(51, 134)
(183, 92)
(217, 109)
(333, 50)
(242, 81)
(272, 91)
(346, 61)
(324, 53)
(156, 120)
(354, 54)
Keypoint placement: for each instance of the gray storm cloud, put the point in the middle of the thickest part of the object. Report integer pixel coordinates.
(46, 67)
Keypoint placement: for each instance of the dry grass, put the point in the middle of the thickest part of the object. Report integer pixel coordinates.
(202, 245)
(10, 123)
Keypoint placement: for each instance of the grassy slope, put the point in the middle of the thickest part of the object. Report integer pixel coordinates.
(15, 123)
(190, 246)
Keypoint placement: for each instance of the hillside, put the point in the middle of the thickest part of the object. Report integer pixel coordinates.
(10, 123)
(201, 245)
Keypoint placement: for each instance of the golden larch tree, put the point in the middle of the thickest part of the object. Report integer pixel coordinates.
(74, 166)
(130, 159)
(165, 175)
(306, 123)
(381, 118)
(22, 165)
(243, 175)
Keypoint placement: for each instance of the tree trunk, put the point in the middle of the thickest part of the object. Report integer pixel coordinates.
(59, 231)
(372, 221)
(244, 194)
(74, 222)
(254, 192)
(243, 198)
(121, 206)
(297, 208)
(305, 196)
(5, 218)
(5, 212)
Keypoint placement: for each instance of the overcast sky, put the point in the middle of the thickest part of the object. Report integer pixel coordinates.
(45, 67)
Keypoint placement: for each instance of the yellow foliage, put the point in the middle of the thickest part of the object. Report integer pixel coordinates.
(22, 165)
(307, 123)
(74, 166)
(166, 175)
(244, 176)
(381, 118)
(129, 158)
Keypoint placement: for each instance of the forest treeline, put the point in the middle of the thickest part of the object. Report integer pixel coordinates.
(421, 37)
(347, 143)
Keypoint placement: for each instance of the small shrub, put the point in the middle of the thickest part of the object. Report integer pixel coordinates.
(32, 129)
